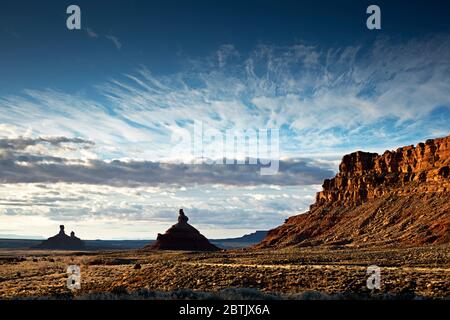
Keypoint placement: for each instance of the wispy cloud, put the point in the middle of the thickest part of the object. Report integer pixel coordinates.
(91, 33)
(115, 41)
(326, 102)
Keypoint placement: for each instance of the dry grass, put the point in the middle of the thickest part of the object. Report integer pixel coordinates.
(291, 272)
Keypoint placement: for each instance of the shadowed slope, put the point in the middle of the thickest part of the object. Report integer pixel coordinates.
(62, 242)
(182, 236)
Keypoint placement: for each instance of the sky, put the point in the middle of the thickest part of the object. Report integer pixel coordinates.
(97, 126)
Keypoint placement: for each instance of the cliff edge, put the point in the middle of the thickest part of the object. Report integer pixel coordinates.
(401, 197)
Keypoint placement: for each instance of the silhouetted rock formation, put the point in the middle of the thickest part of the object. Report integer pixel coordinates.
(62, 242)
(182, 236)
(401, 198)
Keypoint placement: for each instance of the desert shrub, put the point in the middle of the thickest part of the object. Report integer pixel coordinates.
(120, 261)
(119, 290)
(110, 262)
(245, 294)
(94, 262)
(121, 293)
(311, 295)
(186, 294)
(68, 295)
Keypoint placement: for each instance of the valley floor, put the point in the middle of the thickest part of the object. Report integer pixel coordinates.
(408, 272)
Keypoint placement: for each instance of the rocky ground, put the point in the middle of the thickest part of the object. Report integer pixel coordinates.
(407, 272)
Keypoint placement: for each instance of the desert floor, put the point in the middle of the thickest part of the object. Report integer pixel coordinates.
(423, 272)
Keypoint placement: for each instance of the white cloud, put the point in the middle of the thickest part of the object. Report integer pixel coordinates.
(328, 101)
(94, 211)
(47, 159)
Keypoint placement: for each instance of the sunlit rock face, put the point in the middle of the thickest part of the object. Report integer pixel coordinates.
(182, 236)
(363, 176)
(62, 242)
(401, 197)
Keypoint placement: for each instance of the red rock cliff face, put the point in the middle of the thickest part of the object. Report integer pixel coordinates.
(363, 176)
(402, 195)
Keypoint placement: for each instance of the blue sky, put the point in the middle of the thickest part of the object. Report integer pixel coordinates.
(39, 51)
(89, 119)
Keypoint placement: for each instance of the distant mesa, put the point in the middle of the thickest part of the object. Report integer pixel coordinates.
(62, 242)
(251, 238)
(182, 236)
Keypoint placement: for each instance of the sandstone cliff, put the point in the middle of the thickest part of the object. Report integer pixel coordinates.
(401, 197)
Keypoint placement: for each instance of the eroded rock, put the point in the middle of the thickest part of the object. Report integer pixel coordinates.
(182, 236)
(62, 242)
(401, 197)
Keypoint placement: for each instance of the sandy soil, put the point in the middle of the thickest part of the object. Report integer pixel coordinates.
(412, 271)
